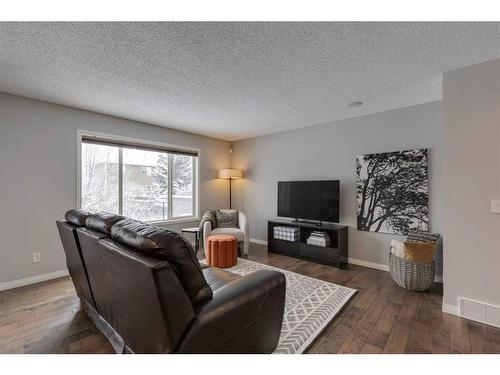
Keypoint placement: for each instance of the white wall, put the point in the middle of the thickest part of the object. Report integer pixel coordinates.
(38, 176)
(328, 152)
(471, 178)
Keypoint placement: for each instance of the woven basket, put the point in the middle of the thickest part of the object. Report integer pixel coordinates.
(412, 275)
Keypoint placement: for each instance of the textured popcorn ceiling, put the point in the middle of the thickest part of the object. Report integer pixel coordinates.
(238, 80)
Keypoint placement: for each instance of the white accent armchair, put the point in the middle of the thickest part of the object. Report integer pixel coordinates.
(242, 233)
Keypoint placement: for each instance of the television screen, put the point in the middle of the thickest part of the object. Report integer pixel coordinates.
(309, 200)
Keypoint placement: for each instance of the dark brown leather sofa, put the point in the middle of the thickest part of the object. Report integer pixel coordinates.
(146, 291)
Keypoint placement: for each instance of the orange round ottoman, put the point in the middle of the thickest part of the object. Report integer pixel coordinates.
(222, 251)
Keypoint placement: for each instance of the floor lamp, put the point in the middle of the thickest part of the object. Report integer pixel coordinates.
(230, 174)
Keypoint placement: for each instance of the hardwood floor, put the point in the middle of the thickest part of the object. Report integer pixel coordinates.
(380, 318)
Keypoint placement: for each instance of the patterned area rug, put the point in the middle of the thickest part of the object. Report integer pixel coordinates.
(310, 305)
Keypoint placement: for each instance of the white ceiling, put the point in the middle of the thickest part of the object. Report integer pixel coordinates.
(237, 80)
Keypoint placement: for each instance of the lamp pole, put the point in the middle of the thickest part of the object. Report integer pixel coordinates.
(230, 174)
(230, 193)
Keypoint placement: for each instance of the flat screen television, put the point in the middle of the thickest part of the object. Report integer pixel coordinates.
(309, 200)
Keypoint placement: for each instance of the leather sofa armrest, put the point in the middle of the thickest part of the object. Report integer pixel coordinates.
(244, 316)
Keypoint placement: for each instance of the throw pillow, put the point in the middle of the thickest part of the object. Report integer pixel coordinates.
(399, 248)
(227, 218)
(420, 252)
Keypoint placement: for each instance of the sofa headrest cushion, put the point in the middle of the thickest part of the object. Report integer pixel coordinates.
(169, 246)
(102, 222)
(77, 217)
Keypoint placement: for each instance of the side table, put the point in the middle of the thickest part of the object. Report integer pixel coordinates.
(193, 230)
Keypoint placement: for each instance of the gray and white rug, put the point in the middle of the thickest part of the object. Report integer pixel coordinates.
(310, 305)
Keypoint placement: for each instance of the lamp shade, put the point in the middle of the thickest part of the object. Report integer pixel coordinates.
(230, 174)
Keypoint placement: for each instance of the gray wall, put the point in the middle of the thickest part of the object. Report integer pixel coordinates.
(328, 152)
(38, 176)
(471, 179)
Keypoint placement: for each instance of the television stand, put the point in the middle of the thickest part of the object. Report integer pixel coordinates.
(335, 254)
(299, 221)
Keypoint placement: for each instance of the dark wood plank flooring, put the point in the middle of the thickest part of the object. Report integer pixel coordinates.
(380, 318)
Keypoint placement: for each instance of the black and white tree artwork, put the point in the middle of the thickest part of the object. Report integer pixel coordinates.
(392, 192)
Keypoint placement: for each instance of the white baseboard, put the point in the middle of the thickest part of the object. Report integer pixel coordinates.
(365, 263)
(382, 267)
(358, 262)
(33, 280)
(259, 242)
(479, 311)
(451, 309)
(475, 310)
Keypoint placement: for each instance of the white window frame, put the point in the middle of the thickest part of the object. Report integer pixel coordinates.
(80, 134)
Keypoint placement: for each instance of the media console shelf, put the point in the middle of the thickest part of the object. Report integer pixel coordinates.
(335, 254)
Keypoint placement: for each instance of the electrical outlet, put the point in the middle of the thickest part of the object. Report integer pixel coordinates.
(495, 206)
(36, 257)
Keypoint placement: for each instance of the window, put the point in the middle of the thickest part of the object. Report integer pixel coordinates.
(182, 185)
(99, 179)
(147, 170)
(147, 184)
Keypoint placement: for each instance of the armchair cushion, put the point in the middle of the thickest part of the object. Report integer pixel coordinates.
(237, 232)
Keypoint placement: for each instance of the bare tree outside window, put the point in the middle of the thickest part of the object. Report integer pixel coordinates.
(99, 179)
(160, 175)
(140, 201)
(182, 175)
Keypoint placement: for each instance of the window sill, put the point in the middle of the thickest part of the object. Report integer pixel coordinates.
(174, 221)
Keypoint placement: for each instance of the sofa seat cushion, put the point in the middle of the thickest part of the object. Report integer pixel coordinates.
(217, 277)
(102, 222)
(237, 232)
(77, 217)
(169, 246)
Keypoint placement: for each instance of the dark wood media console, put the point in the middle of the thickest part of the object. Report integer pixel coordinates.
(335, 254)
